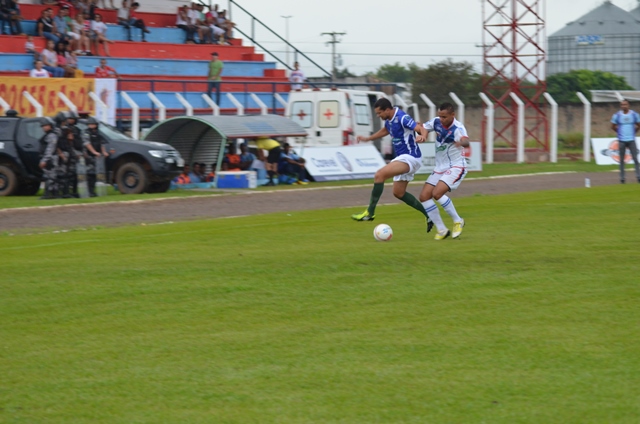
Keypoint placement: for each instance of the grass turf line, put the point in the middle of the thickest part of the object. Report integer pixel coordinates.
(531, 317)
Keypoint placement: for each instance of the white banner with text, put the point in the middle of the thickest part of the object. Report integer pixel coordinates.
(606, 151)
(342, 163)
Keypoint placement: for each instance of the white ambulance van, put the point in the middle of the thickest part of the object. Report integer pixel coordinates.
(335, 117)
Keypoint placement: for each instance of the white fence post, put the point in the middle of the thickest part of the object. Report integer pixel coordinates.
(34, 103)
(587, 127)
(280, 100)
(553, 131)
(263, 108)
(162, 109)
(5, 106)
(101, 107)
(135, 115)
(212, 104)
(490, 114)
(520, 148)
(236, 103)
(460, 113)
(185, 104)
(67, 102)
(432, 114)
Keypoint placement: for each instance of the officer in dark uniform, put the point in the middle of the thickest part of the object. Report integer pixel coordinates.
(77, 147)
(66, 153)
(49, 156)
(94, 145)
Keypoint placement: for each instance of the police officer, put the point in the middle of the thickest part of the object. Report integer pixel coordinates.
(66, 153)
(76, 148)
(94, 145)
(49, 158)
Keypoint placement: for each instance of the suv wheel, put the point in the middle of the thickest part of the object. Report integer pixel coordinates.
(131, 178)
(8, 181)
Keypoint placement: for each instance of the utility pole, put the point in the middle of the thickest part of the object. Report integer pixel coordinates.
(334, 40)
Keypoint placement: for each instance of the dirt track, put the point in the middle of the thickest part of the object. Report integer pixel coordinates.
(259, 202)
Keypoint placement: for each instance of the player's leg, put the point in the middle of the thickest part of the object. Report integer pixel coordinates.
(430, 207)
(450, 181)
(622, 150)
(634, 154)
(390, 170)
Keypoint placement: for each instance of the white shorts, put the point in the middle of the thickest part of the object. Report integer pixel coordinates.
(217, 30)
(414, 165)
(451, 177)
(74, 35)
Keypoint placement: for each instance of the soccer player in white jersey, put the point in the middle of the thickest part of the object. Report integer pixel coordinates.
(409, 159)
(450, 170)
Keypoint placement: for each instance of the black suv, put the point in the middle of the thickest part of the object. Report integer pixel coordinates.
(134, 166)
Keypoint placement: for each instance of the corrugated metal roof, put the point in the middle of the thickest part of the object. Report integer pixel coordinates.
(606, 19)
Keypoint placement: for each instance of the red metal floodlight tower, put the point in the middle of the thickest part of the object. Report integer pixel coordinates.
(513, 41)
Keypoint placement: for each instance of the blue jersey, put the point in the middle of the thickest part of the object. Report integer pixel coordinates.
(401, 128)
(626, 125)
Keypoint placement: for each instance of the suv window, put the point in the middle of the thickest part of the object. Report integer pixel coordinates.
(34, 130)
(7, 129)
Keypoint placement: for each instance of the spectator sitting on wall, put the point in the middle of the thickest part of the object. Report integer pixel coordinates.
(104, 71)
(292, 164)
(10, 13)
(29, 46)
(183, 178)
(45, 26)
(38, 71)
(183, 21)
(194, 175)
(50, 60)
(99, 36)
(231, 161)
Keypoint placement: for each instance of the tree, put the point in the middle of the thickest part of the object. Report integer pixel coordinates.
(344, 73)
(563, 87)
(394, 73)
(442, 78)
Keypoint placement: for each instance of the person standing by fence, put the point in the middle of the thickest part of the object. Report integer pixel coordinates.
(626, 124)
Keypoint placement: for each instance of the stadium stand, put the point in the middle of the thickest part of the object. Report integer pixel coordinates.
(163, 65)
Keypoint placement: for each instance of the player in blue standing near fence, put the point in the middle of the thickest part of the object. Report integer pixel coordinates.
(626, 124)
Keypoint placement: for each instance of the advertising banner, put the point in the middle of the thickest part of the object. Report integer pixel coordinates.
(45, 91)
(342, 163)
(473, 157)
(106, 88)
(606, 151)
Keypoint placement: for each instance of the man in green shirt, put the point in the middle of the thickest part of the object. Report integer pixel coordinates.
(215, 69)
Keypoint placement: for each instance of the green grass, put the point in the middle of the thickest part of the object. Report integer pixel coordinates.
(488, 170)
(532, 317)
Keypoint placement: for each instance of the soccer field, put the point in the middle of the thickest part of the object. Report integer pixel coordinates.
(531, 317)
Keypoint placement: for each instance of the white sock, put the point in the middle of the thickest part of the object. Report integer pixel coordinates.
(447, 205)
(434, 214)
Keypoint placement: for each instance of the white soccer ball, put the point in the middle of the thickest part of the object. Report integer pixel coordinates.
(382, 232)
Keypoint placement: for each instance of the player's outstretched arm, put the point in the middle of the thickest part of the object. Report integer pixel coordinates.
(380, 133)
(422, 133)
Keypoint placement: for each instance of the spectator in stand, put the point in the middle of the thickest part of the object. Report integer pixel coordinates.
(292, 164)
(63, 23)
(132, 20)
(82, 28)
(296, 77)
(183, 21)
(246, 157)
(226, 25)
(197, 20)
(50, 60)
(10, 13)
(38, 71)
(215, 32)
(194, 175)
(184, 177)
(72, 63)
(61, 51)
(29, 47)
(105, 71)
(99, 36)
(231, 160)
(215, 70)
(46, 28)
(123, 18)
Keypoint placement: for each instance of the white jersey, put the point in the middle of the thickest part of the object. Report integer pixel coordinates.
(448, 155)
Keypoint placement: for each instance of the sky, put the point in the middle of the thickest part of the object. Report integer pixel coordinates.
(384, 32)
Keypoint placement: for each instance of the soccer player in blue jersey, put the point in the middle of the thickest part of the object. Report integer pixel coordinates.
(450, 170)
(401, 127)
(626, 123)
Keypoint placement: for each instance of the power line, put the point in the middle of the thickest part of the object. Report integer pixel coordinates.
(334, 40)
